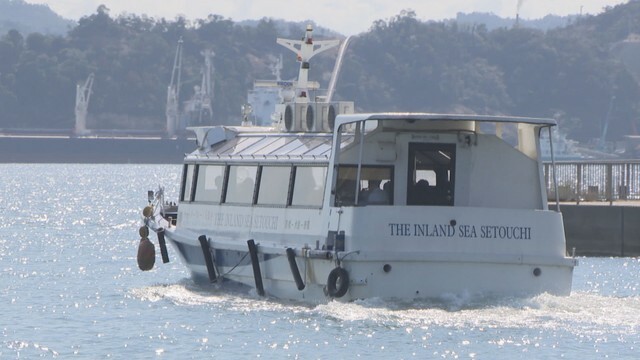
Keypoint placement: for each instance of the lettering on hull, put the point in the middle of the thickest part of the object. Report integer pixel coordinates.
(460, 231)
(231, 220)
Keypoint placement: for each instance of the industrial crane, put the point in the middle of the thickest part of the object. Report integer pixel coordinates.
(173, 92)
(83, 93)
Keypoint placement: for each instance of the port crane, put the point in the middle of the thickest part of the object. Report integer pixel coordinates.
(83, 94)
(173, 92)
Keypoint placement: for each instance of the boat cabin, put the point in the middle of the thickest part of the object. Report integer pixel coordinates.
(382, 160)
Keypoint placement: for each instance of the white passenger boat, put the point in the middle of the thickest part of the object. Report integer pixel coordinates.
(389, 205)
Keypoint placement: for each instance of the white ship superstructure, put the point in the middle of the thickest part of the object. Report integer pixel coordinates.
(395, 205)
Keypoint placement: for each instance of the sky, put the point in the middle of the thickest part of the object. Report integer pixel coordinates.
(348, 17)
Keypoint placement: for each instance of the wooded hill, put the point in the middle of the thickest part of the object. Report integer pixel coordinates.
(28, 18)
(575, 73)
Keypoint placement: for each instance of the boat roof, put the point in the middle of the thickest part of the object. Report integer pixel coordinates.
(269, 146)
(350, 118)
(250, 144)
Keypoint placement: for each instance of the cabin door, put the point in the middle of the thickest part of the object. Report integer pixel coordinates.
(431, 174)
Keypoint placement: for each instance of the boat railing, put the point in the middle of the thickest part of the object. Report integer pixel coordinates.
(594, 181)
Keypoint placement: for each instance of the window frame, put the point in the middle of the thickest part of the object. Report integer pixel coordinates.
(439, 188)
(197, 183)
(192, 186)
(292, 185)
(227, 181)
(289, 193)
(335, 190)
(293, 173)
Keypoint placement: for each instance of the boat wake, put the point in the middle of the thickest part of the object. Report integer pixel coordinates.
(229, 297)
(583, 314)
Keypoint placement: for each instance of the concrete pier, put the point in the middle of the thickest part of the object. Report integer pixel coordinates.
(600, 204)
(94, 150)
(600, 229)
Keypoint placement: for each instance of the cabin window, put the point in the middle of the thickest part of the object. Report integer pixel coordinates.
(274, 185)
(187, 183)
(375, 187)
(209, 183)
(241, 184)
(431, 174)
(308, 186)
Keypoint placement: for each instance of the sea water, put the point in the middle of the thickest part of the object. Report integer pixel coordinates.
(70, 288)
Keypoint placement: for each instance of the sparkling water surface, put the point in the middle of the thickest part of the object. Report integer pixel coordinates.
(70, 288)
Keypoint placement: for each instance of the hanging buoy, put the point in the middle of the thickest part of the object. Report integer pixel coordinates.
(146, 251)
(147, 211)
(143, 231)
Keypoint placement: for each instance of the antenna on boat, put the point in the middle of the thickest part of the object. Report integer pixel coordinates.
(296, 112)
(305, 49)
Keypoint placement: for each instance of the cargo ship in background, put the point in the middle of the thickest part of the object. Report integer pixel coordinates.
(265, 106)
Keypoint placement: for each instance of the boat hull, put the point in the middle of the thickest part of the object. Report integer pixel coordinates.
(397, 276)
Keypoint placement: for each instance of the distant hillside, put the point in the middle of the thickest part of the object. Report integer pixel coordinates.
(492, 21)
(29, 18)
(582, 74)
(289, 28)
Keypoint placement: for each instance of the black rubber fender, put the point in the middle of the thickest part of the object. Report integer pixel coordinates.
(291, 256)
(334, 289)
(146, 254)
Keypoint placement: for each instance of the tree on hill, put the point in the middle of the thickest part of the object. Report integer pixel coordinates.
(27, 18)
(402, 64)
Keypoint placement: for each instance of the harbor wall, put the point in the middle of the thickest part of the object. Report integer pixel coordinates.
(602, 230)
(94, 150)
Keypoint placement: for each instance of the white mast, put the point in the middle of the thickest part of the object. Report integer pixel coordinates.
(336, 69)
(305, 49)
(83, 93)
(173, 92)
